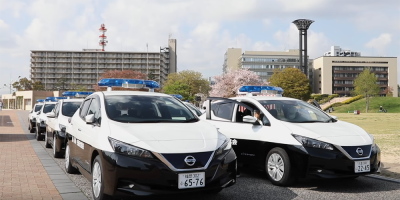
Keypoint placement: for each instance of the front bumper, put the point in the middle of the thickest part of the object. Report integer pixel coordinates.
(132, 176)
(318, 163)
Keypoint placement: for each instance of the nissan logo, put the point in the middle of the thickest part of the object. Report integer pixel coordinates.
(359, 151)
(190, 160)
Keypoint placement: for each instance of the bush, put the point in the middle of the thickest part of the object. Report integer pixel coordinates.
(333, 96)
(319, 97)
(337, 104)
(353, 99)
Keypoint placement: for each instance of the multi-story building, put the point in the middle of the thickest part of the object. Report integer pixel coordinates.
(84, 68)
(336, 74)
(263, 63)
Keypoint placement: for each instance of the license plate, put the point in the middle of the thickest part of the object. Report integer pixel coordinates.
(191, 180)
(362, 166)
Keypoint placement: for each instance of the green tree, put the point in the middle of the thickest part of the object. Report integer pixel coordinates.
(22, 84)
(37, 86)
(195, 81)
(61, 83)
(151, 75)
(293, 82)
(365, 84)
(179, 88)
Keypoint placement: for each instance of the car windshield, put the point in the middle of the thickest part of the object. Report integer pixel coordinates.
(38, 107)
(147, 109)
(48, 108)
(295, 111)
(69, 108)
(196, 110)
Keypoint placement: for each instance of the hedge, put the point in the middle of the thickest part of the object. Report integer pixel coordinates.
(353, 99)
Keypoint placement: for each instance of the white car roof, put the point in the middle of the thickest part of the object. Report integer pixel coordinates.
(71, 100)
(50, 102)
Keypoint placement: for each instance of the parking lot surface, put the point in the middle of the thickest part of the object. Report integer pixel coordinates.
(251, 184)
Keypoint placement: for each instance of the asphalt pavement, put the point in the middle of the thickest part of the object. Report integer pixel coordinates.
(254, 185)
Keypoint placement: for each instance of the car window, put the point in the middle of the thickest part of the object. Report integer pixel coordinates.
(84, 108)
(225, 110)
(294, 111)
(147, 109)
(94, 108)
(48, 108)
(38, 107)
(69, 108)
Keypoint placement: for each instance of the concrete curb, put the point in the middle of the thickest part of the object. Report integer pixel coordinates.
(64, 185)
(383, 178)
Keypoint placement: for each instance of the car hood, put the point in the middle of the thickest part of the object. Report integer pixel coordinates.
(338, 133)
(168, 137)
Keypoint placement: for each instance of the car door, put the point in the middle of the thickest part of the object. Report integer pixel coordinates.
(77, 146)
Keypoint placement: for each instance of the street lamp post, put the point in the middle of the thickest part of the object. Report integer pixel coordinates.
(303, 25)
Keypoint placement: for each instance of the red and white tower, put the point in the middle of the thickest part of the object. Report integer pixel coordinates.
(103, 42)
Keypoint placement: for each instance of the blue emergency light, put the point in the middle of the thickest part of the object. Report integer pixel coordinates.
(40, 100)
(258, 89)
(50, 99)
(73, 93)
(127, 83)
(177, 96)
(58, 98)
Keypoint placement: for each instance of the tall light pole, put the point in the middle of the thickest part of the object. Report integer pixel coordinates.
(303, 25)
(147, 65)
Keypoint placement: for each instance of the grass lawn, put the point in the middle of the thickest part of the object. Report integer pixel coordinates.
(391, 104)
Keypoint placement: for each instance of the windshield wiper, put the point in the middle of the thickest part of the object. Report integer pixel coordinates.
(308, 121)
(331, 120)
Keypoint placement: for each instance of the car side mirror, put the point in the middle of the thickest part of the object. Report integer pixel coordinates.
(249, 119)
(50, 115)
(89, 119)
(31, 111)
(334, 117)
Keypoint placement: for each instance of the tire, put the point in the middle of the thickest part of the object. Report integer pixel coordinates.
(30, 128)
(46, 140)
(97, 180)
(55, 153)
(278, 168)
(68, 165)
(38, 136)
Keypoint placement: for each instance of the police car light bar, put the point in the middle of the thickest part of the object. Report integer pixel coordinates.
(261, 89)
(177, 96)
(50, 99)
(76, 94)
(40, 100)
(127, 83)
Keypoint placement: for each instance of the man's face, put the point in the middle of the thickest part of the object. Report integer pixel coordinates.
(257, 115)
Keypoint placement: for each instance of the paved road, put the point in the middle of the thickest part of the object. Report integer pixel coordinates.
(254, 185)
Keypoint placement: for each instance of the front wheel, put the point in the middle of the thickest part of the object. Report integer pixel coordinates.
(31, 129)
(56, 154)
(46, 140)
(97, 180)
(278, 168)
(39, 137)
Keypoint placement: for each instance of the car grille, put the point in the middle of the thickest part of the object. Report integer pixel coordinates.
(354, 151)
(178, 160)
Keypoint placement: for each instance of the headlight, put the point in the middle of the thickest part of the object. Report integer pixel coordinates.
(225, 147)
(126, 149)
(308, 142)
(373, 142)
(62, 128)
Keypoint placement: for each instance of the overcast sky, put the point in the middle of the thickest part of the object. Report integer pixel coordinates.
(203, 29)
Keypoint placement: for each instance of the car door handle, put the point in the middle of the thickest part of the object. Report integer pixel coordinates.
(79, 129)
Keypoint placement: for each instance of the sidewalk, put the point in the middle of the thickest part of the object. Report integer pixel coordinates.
(26, 169)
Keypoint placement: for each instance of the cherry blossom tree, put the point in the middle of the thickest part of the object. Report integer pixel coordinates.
(228, 84)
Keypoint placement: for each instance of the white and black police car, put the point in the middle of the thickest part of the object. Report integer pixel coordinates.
(132, 143)
(289, 138)
(33, 114)
(59, 118)
(41, 117)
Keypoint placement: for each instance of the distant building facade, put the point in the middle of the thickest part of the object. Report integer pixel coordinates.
(84, 68)
(263, 63)
(336, 74)
(337, 51)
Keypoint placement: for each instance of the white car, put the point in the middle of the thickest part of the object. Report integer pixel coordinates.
(132, 143)
(289, 138)
(41, 119)
(33, 114)
(57, 122)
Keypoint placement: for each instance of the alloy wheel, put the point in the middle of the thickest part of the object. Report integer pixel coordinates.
(96, 179)
(54, 145)
(67, 157)
(276, 167)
